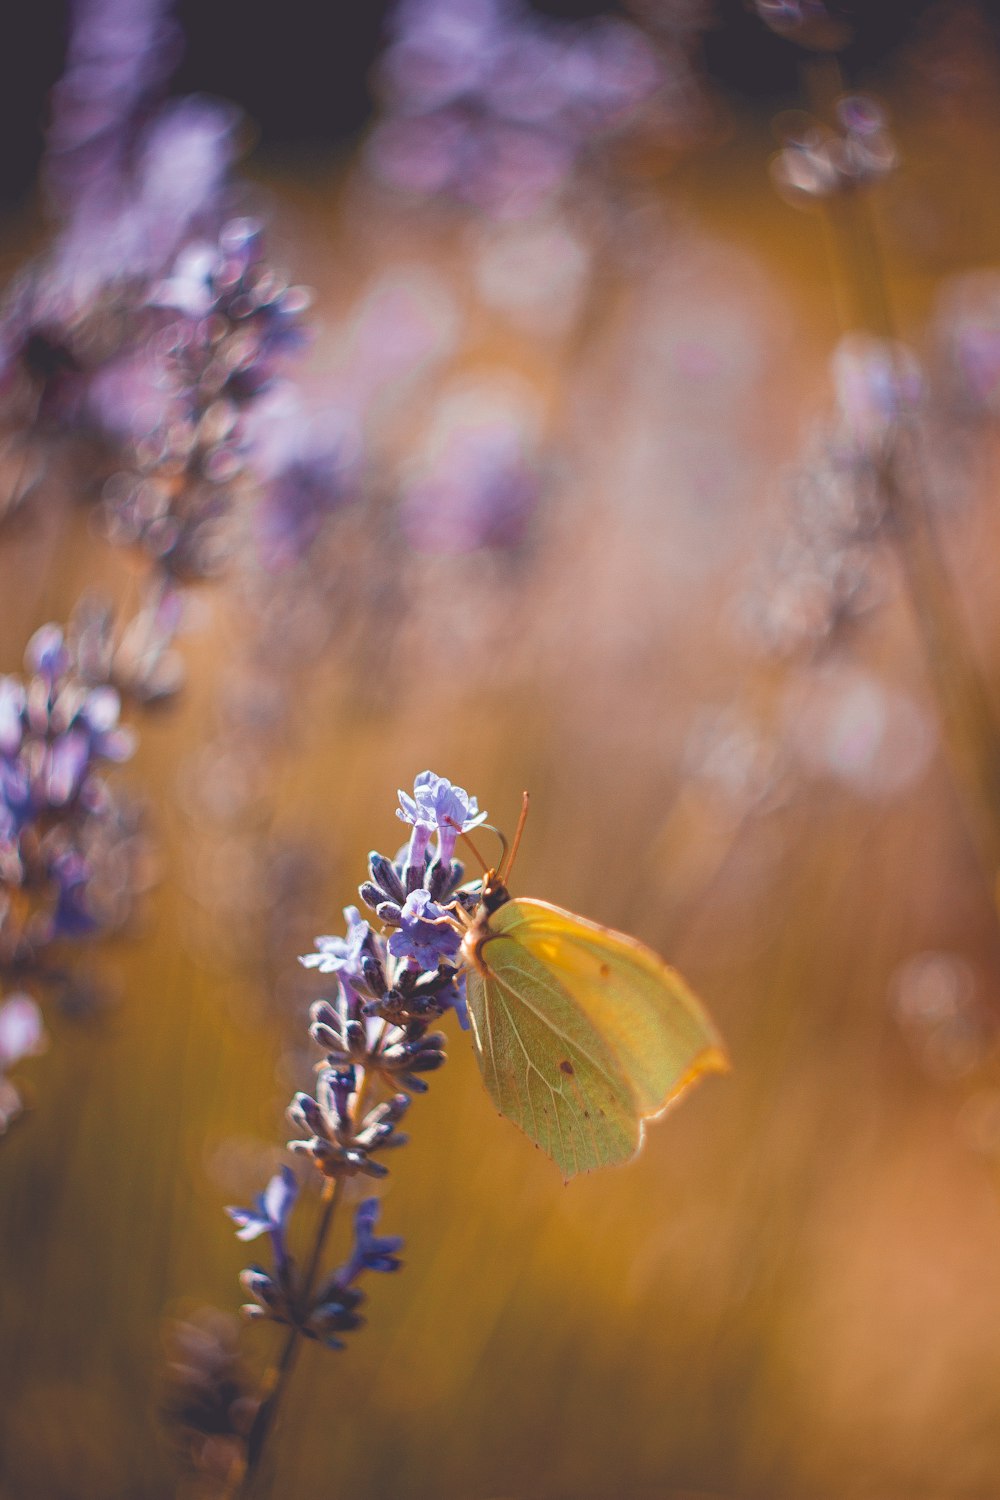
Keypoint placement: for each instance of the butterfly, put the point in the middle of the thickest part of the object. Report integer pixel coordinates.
(581, 1033)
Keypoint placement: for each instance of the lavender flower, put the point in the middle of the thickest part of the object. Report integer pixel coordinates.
(56, 734)
(120, 56)
(297, 503)
(270, 1215)
(334, 1143)
(426, 935)
(342, 955)
(493, 105)
(131, 178)
(478, 486)
(437, 807)
(371, 1252)
(56, 731)
(375, 1030)
(228, 322)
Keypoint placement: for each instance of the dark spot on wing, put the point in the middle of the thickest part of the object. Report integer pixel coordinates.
(566, 1066)
(605, 970)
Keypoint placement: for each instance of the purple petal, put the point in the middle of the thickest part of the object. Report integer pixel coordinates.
(21, 1030)
(280, 1195)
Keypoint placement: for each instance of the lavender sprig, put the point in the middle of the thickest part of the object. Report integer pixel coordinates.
(227, 323)
(495, 106)
(375, 1032)
(823, 164)
(56, 733)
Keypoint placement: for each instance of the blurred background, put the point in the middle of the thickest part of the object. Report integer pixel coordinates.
(575, 474)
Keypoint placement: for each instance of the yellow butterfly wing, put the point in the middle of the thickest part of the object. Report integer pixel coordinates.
(582, 1033)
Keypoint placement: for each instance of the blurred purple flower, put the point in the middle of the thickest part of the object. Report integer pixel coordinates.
(306, 474)
(495, 105)
(73, 916)
(878, 384)
(120, 56)
(224, 290)
(132, 234)
(479, 489)
(54, 730)
(132, 178)
(130, 172)
(370, 1252)
(968, 335)
(60, 828)
(227, 321)
(21, 1035)
(46, 653)
(295, 507)
(21, 1031)
(270, 1215)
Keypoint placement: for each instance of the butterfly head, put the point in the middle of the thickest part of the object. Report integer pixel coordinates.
(493, 895)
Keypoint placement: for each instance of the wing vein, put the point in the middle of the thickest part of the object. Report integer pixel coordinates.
(556, 1030)
(554, 1094)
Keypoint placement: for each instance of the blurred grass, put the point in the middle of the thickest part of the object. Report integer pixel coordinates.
(795, 1291)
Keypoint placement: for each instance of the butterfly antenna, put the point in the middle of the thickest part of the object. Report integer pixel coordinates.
(487, 869)
(462, 835)
(507, 864)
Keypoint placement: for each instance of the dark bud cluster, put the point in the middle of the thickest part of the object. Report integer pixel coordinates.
(397, 1058)
(335, 1144)
(208, 1402)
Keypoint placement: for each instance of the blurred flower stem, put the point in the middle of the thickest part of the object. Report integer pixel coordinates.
(246, 1476)
(968, 718)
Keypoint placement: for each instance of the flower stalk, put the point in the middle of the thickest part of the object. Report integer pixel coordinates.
(392, 983)
(837, 168)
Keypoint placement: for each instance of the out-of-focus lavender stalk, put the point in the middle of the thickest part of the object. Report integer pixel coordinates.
(67, 845)
(131, 178)
(836, 167)
(491, 104)
(147, 330)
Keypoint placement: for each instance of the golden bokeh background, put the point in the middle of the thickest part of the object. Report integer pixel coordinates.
(794, 1291)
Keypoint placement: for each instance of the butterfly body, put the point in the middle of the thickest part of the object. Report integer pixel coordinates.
(581, 1033)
